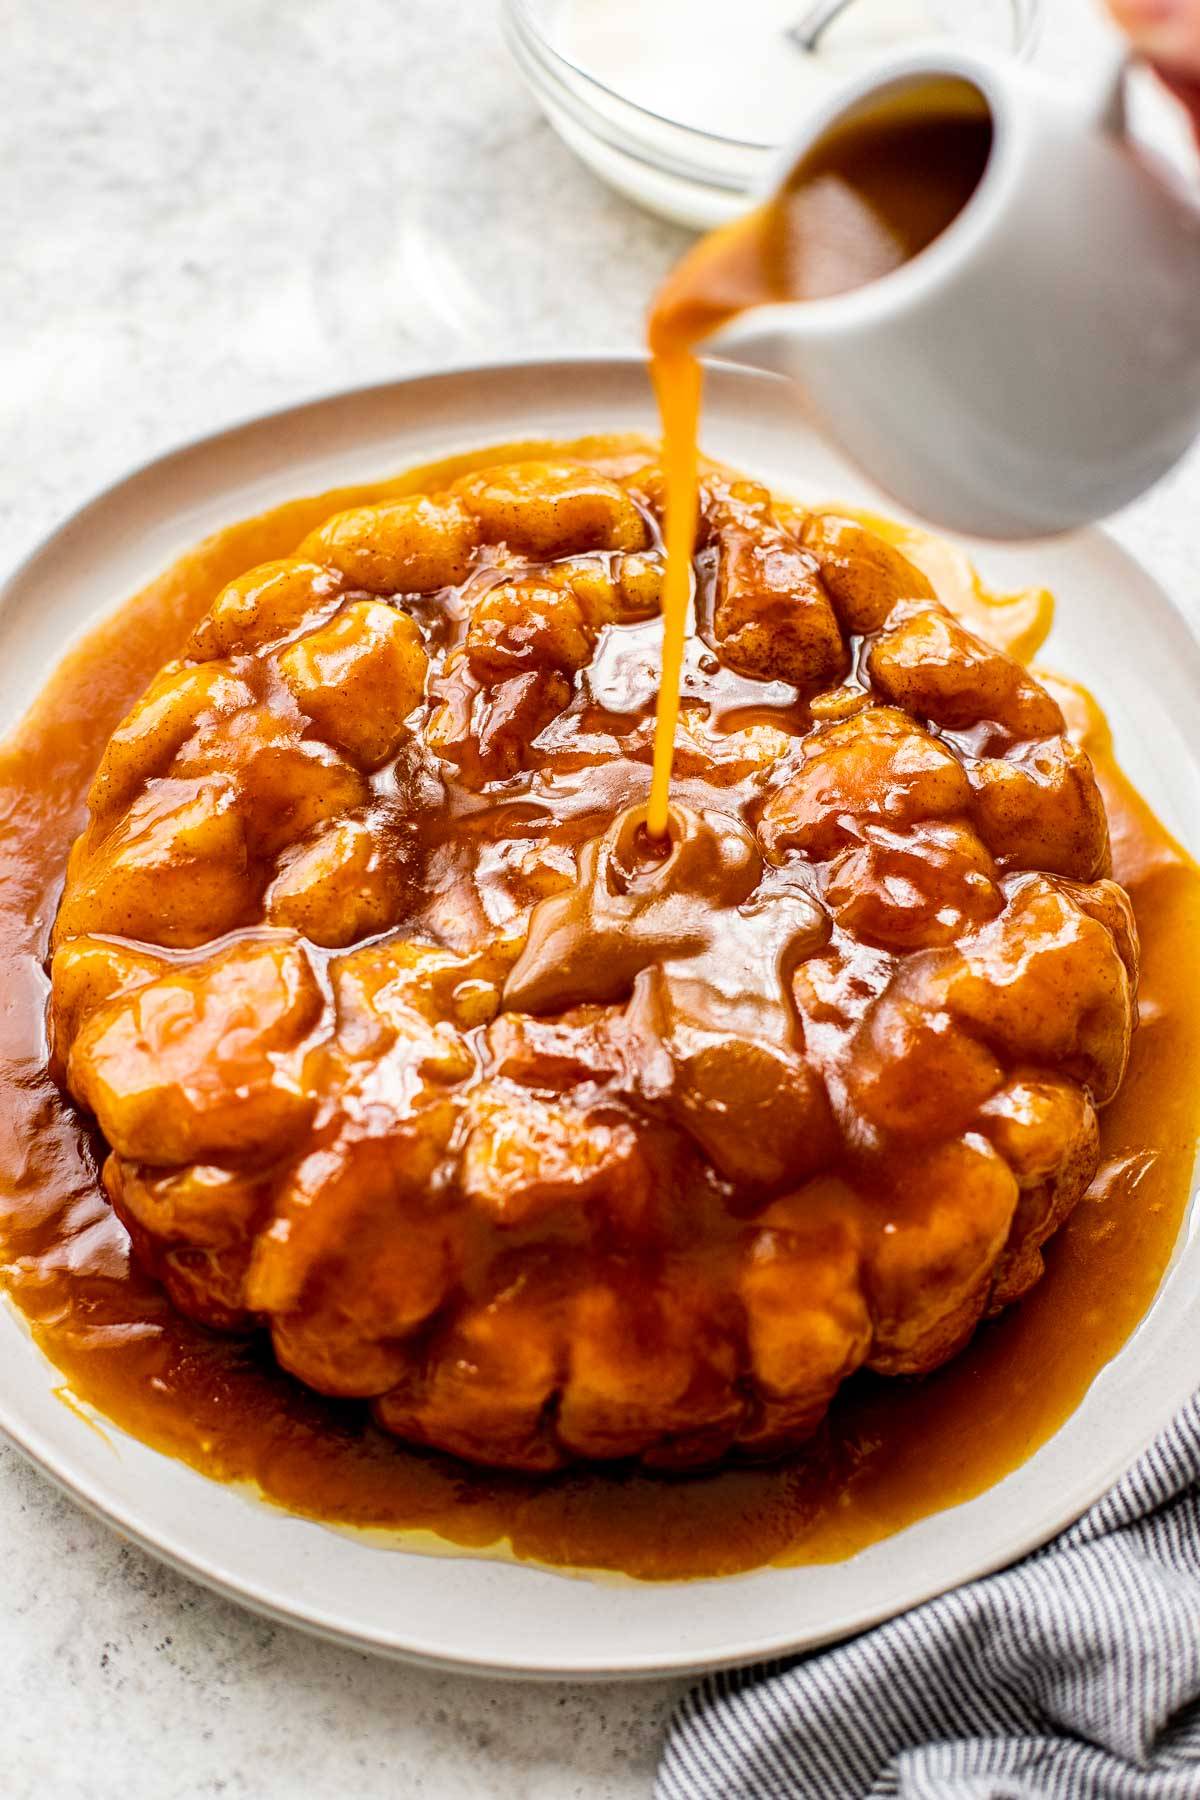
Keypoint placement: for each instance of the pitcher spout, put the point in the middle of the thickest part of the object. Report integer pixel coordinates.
(767, 339)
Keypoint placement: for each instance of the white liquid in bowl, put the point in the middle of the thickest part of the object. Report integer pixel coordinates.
(681, 104)
(725, 68)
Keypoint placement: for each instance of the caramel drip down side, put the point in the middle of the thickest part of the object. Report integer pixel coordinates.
(677, 379)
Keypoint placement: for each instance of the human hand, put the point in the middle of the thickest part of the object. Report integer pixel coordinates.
(1167, 34)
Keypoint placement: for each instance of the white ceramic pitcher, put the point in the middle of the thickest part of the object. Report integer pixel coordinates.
(1038, 365)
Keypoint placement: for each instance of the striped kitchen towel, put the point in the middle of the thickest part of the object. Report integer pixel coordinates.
(1073, 1675)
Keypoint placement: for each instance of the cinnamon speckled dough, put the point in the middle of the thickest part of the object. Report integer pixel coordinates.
(406, 1052)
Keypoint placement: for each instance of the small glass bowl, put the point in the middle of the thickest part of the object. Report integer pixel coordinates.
(681, 104)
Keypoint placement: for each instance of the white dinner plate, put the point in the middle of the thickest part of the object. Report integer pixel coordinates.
(1116, 631)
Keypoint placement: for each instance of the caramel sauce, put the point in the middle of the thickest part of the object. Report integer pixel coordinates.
(891, 1451)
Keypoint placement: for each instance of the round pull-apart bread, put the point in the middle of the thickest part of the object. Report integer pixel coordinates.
(408, 1049)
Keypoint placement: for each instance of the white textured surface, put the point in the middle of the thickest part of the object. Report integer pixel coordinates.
(209, 208)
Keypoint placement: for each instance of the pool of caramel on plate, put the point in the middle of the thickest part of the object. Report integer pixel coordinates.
(891, 1450)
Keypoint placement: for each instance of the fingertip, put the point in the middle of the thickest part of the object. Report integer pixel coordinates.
(1165, 32)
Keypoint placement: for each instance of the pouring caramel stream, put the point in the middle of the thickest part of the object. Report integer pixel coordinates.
(868, 197)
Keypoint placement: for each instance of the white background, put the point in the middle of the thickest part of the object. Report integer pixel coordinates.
(209, 208)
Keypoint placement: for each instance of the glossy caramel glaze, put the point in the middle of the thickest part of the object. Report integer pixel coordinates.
(552, 1138)
(890, 1450)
